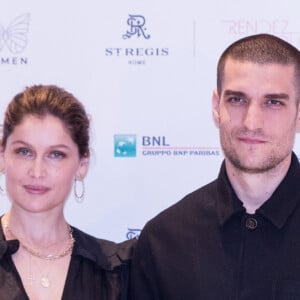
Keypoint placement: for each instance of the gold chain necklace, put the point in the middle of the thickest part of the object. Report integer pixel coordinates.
(38, 254)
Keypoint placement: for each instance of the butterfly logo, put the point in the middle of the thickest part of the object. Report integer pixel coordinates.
(14, 37)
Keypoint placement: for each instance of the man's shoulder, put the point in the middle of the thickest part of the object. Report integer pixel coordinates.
(201, 198)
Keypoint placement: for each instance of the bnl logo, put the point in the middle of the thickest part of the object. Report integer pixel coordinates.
(154, 141)
(125, 145)
(136, 27)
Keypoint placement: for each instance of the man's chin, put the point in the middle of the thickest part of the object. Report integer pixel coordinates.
(252, 166)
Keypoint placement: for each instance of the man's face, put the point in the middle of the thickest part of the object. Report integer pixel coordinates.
(256, 114)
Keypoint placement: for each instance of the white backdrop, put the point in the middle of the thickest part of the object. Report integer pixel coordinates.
(145, 71)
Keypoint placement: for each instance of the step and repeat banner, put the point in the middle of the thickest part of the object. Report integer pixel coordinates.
(145, 71)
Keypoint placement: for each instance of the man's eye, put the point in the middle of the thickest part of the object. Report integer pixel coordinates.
(236, 100)
(274, 102)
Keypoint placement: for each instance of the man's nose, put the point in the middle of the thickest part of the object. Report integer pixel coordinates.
(254, 118)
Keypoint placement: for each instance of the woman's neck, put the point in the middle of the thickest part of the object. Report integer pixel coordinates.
(38, 229)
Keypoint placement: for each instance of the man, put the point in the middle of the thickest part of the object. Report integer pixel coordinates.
(239, 236)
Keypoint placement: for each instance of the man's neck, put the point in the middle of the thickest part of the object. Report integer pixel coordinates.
(254, 189)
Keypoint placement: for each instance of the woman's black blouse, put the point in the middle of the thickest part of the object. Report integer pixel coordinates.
(99, 269)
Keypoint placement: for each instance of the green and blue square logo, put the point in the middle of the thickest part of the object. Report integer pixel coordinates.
(125, 145)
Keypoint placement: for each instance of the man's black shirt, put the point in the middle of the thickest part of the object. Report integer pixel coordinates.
(207, 247)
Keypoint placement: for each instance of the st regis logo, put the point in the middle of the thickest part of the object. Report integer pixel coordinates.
(136, 27)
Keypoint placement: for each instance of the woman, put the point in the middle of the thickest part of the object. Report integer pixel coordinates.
(45, 151)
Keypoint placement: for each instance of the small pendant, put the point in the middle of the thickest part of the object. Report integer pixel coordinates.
(45, 282)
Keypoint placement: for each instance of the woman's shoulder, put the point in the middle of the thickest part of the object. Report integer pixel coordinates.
(108, 254)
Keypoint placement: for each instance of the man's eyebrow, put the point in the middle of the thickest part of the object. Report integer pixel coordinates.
(234, 93)
(268, 96)
(277, 96)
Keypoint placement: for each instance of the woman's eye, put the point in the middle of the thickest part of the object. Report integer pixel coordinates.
(57, 154)
(24, 151)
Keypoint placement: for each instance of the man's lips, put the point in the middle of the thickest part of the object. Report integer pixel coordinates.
(36, 189)
(248, 140)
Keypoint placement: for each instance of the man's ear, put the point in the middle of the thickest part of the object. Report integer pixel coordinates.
(83, 168)
(298, 118)
(216, 107)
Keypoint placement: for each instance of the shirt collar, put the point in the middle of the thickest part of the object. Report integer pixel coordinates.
(276, 209)
(105, 254)
(7, 247)
(227, 202)
(285, 198)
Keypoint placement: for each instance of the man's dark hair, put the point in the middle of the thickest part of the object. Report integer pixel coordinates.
(261, 49)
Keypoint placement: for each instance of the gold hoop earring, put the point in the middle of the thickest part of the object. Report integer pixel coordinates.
(79, 197)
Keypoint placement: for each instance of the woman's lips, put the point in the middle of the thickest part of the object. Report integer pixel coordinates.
(36, 189)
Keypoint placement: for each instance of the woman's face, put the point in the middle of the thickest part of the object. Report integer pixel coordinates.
(40, 162)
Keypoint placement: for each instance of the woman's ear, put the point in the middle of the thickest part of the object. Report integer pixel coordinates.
(216, 107)
(83, 168)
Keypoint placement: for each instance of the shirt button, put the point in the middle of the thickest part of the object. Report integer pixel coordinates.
(251, 223)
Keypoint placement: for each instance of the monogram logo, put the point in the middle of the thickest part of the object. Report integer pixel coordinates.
(136, 27)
